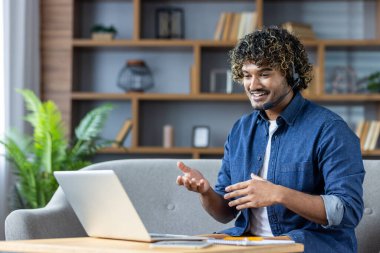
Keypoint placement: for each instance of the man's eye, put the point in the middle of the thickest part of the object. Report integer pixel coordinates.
(264, 74)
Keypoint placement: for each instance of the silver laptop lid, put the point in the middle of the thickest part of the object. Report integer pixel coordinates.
(102, 205)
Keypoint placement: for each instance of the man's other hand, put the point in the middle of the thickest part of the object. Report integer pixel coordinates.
(192, 179)
(252, 193)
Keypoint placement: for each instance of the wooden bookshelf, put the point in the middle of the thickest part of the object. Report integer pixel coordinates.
(62, 41)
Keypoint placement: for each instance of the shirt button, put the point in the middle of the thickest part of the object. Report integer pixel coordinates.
(275, 136)
(259, 158)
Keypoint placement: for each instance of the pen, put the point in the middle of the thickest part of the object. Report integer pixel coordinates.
(243, 238)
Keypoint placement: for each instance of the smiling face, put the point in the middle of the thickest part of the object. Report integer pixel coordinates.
(266, 85)
(283, 52)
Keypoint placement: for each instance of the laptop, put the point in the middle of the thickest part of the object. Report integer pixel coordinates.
(104, 208)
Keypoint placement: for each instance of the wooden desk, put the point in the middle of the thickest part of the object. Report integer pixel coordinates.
(92, 245)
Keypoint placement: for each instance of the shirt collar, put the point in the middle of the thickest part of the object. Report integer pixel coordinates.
(291, 111)
(294, 107)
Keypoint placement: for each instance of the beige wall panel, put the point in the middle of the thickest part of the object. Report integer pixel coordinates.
(56, 56)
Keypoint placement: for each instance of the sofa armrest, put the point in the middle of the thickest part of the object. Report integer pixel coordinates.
(56, 220)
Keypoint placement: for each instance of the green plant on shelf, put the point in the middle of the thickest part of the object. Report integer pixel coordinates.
(35, 157)
(104, 29)
(374, 82)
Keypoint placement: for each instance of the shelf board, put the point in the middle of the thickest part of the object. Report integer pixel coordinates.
(194, 97)
(344, 98)
(101, 96)
(132, 43)
(189, 151)
(161, 150)
(159, 43)
(150, 43)
(211, 43)
(161, 97)
(351, 43)
(369, 153)
(214, 97)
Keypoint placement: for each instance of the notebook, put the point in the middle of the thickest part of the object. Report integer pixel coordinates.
(104, 208)
(248, 241)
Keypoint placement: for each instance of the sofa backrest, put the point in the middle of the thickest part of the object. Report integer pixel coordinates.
(168, 208)
(368, 231)
(164, 206)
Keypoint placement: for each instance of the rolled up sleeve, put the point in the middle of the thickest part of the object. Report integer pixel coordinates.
(334, 210)
(343, 172)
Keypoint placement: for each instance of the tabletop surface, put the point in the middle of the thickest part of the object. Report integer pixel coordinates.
(92, 245)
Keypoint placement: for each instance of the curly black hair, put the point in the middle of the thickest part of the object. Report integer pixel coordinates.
(276, 48)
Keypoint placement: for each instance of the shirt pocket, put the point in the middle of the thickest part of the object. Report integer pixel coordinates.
(298, 176)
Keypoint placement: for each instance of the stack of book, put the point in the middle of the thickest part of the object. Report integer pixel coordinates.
(368, 132)
(233, 26)
(303, 31)
(123, 133)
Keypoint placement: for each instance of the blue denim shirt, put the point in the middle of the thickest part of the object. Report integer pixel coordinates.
(313, 151)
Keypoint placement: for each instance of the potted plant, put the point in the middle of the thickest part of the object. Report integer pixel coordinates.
(101, 32)
(36, 157)
(374, 82)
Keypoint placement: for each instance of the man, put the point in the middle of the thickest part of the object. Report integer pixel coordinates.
(290, 167)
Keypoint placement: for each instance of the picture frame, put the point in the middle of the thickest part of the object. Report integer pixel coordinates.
(201, 136)
(169, 23)
(221, 82)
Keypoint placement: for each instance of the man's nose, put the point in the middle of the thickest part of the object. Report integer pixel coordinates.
(254, 82)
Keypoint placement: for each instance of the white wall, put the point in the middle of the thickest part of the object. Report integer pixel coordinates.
(3, 203)
(20, 23)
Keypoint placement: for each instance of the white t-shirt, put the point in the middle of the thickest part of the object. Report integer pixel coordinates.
(259, 216)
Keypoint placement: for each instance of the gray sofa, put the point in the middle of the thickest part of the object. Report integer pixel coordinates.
(166, 207)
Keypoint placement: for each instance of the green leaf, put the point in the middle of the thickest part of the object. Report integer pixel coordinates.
(36, 157)
(33, 104)
(92, 124)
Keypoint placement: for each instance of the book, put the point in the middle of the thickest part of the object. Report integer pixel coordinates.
(122, 134)
(242, 23)
(220, 26)
(252, 22)
(227, 26)
(375, 136)
(359, 128)
(370, 135)
(235, 26)
(364, 134)
(248, 23)
(304, 31)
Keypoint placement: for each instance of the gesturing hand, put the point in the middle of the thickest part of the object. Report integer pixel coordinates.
(252, 193)
(192, 179)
